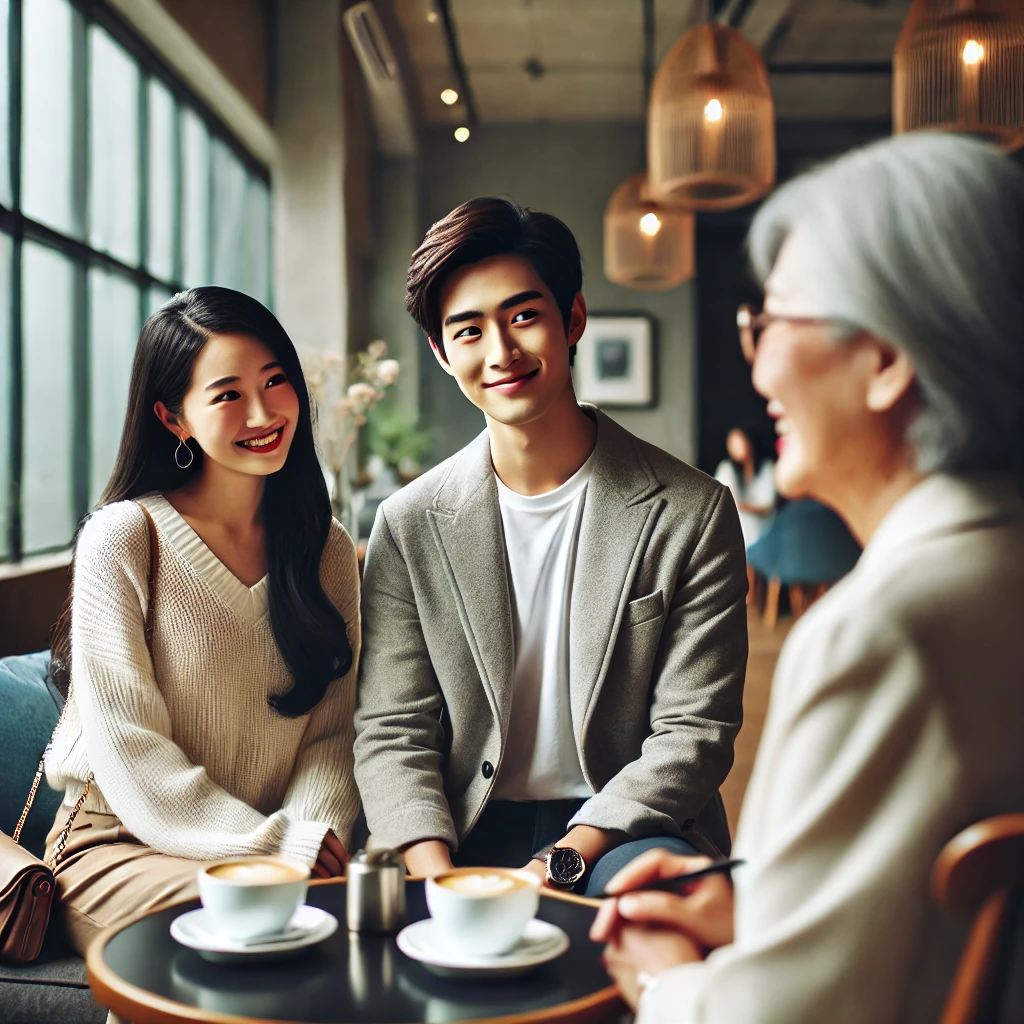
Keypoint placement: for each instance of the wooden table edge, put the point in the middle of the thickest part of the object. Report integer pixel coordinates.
(142, 1007)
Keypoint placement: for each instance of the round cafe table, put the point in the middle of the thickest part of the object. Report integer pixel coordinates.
(143, 975)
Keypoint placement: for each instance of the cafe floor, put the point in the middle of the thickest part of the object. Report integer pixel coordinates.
(764, 652)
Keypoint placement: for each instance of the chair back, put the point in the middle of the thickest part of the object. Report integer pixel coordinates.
(980, 872)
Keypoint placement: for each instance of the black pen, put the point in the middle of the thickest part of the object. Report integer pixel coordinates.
(673, 884)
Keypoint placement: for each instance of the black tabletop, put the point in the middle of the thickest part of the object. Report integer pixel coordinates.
(351, 977)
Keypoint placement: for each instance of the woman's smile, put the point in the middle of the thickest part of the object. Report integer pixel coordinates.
(265, 443)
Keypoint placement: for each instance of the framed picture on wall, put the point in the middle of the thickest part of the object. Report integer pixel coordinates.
(615, 361)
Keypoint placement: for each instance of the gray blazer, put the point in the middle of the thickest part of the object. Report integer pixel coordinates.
(657, 648)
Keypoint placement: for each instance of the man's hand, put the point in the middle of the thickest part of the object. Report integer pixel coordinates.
(427, 858)
(332, 858)
(589, 842)
(538, 868)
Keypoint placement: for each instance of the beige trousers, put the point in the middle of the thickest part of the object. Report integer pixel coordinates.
(105, 875)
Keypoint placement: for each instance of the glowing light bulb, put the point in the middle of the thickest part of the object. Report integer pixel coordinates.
(713, 111)
(974, 52)
(650, 225)
(461, 134)
(432, 16)
(449, 96)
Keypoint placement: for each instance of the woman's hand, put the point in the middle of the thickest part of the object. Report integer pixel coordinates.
(332, 858)
(649, 932)
(704, 910)
(637, 955)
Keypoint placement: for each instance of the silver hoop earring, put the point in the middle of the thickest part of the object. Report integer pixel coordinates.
(177, 458)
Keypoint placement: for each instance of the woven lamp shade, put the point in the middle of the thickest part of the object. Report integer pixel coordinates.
(711, 123)
(959, 67)
(647, 247)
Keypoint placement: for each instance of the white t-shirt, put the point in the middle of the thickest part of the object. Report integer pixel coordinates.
(541, 537)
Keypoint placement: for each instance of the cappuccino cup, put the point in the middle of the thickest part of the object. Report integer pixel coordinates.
(249, 897)
(483, 911)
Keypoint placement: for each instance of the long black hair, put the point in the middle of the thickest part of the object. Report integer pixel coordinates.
(310, 633)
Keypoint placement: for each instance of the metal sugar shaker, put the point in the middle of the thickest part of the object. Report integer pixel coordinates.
(375, 900)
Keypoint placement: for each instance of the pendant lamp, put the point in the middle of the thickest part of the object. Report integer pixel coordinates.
(711, 123)
(959, 67)
(647, 247)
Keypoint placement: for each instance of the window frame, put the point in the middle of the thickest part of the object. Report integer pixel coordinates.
(21, 228)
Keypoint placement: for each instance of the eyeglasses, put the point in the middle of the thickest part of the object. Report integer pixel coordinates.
(752, 322)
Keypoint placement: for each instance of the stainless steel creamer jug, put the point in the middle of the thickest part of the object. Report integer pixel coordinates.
(375, 901)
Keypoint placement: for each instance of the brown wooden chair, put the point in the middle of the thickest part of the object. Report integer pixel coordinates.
(979, 872)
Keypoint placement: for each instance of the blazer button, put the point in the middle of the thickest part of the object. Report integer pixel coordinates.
(689, 823)
(487, 769)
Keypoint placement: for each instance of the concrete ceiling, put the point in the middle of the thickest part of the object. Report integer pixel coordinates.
(583, 60)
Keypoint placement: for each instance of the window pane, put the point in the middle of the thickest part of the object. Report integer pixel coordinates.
(6, 426)
(195, 199)
(113, 148)
(47, 114)
(229, 182)
(113, 330)
(155, 298)
(162, 130)
(48, 293)
(256, 244)
(5, 120)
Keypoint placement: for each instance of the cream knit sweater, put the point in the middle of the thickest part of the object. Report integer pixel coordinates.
(186, 751)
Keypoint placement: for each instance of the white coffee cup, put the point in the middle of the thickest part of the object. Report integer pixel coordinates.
(483, 911)
(247, 897)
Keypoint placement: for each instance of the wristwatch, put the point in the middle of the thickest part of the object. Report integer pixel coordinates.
(565, 866)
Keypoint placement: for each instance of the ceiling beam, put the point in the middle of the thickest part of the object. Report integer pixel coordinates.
(763, 19)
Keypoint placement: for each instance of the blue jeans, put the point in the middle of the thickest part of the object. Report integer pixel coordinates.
(509, 833)
(615, 860)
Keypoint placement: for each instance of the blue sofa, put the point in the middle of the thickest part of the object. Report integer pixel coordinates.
(53, 989)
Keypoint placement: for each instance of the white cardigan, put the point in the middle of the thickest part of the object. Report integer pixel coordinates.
(895, 721)
(186, 751)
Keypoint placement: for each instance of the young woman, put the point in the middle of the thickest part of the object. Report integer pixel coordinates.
(229, 731)
(751, 478)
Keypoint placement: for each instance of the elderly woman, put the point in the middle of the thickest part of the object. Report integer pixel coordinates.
(891, 351)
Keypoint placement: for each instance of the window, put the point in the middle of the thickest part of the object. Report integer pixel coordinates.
(117, 189)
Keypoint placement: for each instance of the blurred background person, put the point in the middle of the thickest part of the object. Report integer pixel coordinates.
(750, 475)
(892, 357)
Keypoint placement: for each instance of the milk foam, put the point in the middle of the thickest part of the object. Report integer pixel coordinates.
(481, 885)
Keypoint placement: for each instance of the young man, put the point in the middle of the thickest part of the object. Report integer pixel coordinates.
(554, 630)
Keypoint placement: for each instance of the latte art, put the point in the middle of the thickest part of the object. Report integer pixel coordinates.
(256, 872)
(481, 884)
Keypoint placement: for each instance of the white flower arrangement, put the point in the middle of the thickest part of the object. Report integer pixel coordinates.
(343, 396)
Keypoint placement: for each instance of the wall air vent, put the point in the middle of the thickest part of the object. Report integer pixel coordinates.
(371, 44)
(385, 88)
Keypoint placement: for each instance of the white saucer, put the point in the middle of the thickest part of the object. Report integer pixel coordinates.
(423, 941)
(306, 927)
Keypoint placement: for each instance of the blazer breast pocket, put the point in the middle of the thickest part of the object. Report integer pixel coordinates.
(643, 609)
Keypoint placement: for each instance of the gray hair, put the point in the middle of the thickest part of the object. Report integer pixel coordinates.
(919, 242)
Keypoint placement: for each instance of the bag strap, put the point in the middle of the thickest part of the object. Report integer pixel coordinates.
(154, 566)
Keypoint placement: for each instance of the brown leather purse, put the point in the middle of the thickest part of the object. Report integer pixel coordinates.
(27, 884)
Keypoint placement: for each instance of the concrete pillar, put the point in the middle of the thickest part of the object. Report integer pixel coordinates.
(310, 293)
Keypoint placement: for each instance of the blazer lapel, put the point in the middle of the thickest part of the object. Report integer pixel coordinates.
(466, 521)
(618, 517)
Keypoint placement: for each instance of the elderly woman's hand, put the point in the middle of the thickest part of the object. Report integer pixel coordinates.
(649, 932)
(636, 955)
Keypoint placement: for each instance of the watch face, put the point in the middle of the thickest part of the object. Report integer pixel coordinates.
(565, 866)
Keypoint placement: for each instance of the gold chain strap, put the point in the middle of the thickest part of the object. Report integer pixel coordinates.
(30, 800)
(66, 831)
